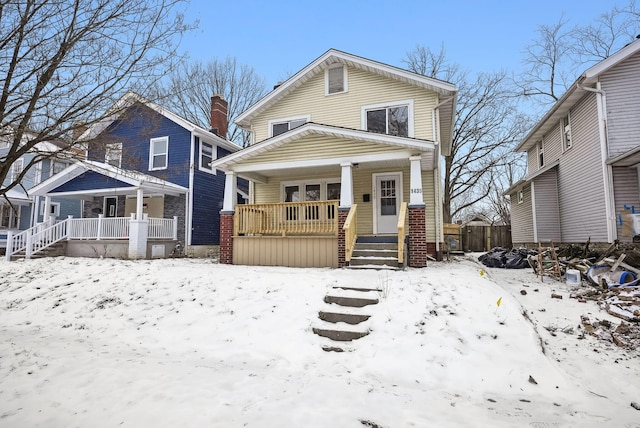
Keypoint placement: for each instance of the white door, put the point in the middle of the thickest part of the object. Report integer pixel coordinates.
(388, 195)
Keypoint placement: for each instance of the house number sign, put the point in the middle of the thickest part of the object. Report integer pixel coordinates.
(416, 190)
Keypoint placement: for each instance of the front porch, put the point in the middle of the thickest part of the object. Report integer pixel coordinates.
(98, 237)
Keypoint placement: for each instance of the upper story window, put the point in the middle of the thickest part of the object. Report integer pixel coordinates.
(335, 80)
(392, 119)
(59, 167)
(113, 154)
(541, 154)
(520, 196)
(280, 126)
(207, 156)
(16, 169)
(159, 153)
(566, 132)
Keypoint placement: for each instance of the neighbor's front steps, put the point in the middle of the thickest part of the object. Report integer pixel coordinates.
(345, 316)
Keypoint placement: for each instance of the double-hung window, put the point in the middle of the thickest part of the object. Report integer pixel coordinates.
(159, 153)
(540, 154)
(16, 169)
(280, 126)
(113, 154)
(9, 216)
(58, 167)
(392, 119)
(520, 196)
(207, 156)
(335, 80)
(323, 190)
(566, 132)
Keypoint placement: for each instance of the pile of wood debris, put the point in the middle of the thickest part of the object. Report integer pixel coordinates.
(620, 301)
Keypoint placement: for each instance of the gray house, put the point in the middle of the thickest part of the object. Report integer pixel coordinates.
(583, 159)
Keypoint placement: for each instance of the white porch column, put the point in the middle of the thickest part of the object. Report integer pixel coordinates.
(138, 236)
(139, 198)
(47, 209)
(230, 192)
(346, 185)
(415, 185)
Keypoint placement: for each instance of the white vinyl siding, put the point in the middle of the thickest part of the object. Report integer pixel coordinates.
(622, 87)
(364, 89)
(626, 193)
(546, 207)
(521, 217)
(580, 179)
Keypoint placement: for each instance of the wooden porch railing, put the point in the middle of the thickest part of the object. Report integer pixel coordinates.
(350, 232)
(288, 218)
(402, 216)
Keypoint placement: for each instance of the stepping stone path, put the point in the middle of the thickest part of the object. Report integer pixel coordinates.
(345, 316)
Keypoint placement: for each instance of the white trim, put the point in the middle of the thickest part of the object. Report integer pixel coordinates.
(188, 200)
(374, 179)
(405, 154)
(152, 143)
(391, 104)
(563, 132)
(534, 212)
(345, 80)
(214, 156)
(305, 117)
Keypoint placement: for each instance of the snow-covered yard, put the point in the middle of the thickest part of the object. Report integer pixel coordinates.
(187, 342)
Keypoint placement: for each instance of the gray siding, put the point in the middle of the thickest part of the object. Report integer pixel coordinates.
(626, 194)
(622, 88)
(580, 178)
(546, 203)
(521, 217)
(553, 145)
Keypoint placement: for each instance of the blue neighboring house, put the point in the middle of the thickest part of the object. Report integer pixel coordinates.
(143, 147)
(19, 210)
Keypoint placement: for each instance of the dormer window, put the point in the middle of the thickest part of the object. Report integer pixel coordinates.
(336, 80)
(394, 119)
(280, 126)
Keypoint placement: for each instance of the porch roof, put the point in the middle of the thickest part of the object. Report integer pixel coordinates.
(400, 149)
(630, 158)
(15, 197)
(122, 181)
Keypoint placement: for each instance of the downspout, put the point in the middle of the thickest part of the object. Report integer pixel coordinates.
(607, 170)
(189, 196)
(436, 173)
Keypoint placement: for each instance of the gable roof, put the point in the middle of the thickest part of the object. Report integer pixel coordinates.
(133, 179)
(15, 197)
(129, 99)
(574, 94)
(445, 89)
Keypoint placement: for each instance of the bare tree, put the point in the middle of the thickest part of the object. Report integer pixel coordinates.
(189, 89)
(64, 63)
(487, 126)
(559, 52)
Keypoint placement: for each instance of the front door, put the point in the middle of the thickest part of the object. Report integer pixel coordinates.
(110, 206)
(388, 195)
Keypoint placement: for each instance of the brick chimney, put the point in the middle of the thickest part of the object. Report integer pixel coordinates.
(219, 120)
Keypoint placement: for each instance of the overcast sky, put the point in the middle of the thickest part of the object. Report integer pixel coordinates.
(278, 38)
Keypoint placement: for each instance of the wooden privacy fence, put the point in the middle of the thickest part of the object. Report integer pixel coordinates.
(484, 238)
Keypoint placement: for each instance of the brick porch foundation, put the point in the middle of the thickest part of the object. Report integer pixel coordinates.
(342, 217)
(417, 237)
(226, 238)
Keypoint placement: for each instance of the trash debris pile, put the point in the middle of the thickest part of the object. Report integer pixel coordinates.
(500, 257)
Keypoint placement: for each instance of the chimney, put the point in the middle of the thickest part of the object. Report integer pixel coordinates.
(219, 120)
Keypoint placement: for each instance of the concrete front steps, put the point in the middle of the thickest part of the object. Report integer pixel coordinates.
(375, 252)
(345, 316)
(54, 250)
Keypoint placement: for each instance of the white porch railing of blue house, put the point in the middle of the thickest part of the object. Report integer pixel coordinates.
(44, 235)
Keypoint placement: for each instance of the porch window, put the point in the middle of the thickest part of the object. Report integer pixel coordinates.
(159, 151)
(207, 156)
(113, 154)
(336, 80)
(393, 119)
(566, 132)
(280, 126)
(9, 218)
(16, 169)
(322, 190)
